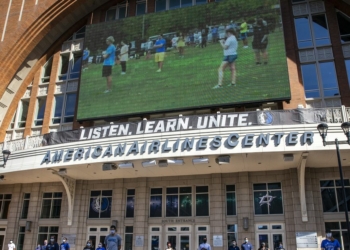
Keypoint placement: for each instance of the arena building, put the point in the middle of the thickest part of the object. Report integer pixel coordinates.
(166, 163)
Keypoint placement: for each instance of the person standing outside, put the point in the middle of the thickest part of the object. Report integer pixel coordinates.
(64, 244)
(108, 63)
(124, 54)
(100, 247)
(11, 245)
(246, 245)
(233, 246)
(204, 245)
(263, 246)
(52, 244)
(168, 246)
(181, 44)
(113, 241)
(159, 45)
(230, 55)
(214, 33)
(280, 247)
(89, 245)
(244, 33)
(330, 243)
(43, 247)
(204, 38)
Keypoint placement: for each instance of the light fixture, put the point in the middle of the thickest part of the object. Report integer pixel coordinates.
(150, 163)
(62, 171)
(176, 161)
(346, 129)
(202, 160)
(126, 165)
(322, 129)
(245, 223)
(223, 159)
(163, 163)
(288, 157)
(5, 154)
(108, 166)
(28, 226)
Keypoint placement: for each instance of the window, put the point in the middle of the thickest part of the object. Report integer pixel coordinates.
(178, 201)
(46, 232)
(320, 80)
(344, 26)
(64, 110)
(347, 64)
(58, 109)
(231, 234)
(122, 11)
(332, 196)
(23, 113)
(69, 107)
(100, 204)
(200, 2)
(155, 203)
(25, 207)
(312, 31)
(339, 232)
(160, 5)
(141, 8)
(46, 71)
(21, 235)
(130, 203)
(75, 66)
(51, 207)
(5, 200)
(268, 198)
(230, 200)
(111, 15)
(202, 201)
(128, 237)
(64, 67)
(40, 111)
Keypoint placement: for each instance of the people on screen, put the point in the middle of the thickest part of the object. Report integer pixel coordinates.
(181, 45)
(260, 41)
(160, 46)
(86, 55)
(124, 56)
(108, 63)
(230, 55)
(244, 33)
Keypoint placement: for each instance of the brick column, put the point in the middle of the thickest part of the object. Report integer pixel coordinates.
(245, 206)
(140, 218)
(32, 103)
(217, 226)
(50, 93)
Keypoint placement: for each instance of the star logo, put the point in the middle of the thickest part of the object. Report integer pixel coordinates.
(266, 199)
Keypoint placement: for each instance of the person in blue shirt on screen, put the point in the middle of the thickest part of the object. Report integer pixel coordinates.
(108, 63)
(160, 46)
(86, 55)
(330, 243)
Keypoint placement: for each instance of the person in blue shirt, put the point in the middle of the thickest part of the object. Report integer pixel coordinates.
(233, 246)
(100, 247)
(330, 243)
(52, 244)
(64, 244)
(108, 63)
(160, 46)
(246, 245)
(86, 55)
(214, 33)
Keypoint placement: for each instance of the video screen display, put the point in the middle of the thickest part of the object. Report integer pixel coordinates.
(216, 54)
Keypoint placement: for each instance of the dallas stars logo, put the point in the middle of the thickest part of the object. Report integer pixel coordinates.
(266, 199)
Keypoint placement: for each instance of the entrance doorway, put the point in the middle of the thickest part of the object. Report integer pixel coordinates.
(97, 234)
(181, 237)
(271, 233)
(2, 237)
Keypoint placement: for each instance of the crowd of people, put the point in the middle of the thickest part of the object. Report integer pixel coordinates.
(113, 241)
(226, 36)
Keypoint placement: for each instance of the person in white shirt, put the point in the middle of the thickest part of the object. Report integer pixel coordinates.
(204, 245)
(230, 55)
(124, 56)
(11, 245)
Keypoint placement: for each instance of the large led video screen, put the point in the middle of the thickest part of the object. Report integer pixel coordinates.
(216, 54)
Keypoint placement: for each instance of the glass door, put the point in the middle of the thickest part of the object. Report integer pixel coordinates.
(184, 242)
(97, 235)
(173, 240)
(2, 238)
(272, 234)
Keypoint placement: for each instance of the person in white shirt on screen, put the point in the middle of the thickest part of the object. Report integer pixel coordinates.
(124, 52)
(230, 55)
(11, 245)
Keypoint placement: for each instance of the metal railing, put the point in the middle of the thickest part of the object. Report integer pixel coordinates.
(333, 115)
